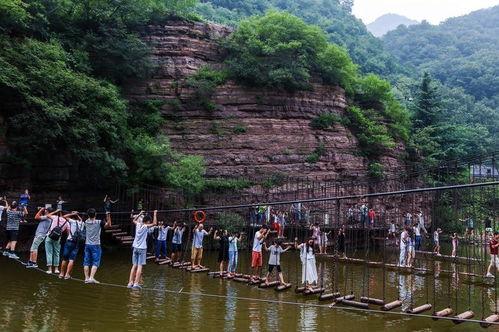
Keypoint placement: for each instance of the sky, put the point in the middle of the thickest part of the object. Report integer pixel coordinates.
(434, 11)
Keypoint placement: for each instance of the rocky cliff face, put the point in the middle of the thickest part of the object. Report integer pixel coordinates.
(252, 132)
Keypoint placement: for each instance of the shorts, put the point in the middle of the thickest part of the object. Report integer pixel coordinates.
(139, 256)
(411, 249)
(271, 268)
(437, 243)
(488, 229)
(256, 259)
(494, 260)
(39, 239)
(177, 247)
(197, 253)
(93, 253)
(70, 251)
(12, 235)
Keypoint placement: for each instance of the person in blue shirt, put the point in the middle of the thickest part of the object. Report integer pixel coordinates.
(178, 233)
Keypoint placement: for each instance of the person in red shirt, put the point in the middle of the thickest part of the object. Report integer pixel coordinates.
(372, 215)
(494, 248)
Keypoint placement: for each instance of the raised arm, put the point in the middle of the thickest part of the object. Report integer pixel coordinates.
(69, 215)
(105, 198)
(215, 236)
(154, 219)
(38, 215)
(136, 219)
(114, 201)
(287, 248)
(265, 247)
(211, 231)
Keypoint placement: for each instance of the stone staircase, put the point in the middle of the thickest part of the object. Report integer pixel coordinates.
(119, 235)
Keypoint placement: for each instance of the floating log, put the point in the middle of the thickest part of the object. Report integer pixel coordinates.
(163, 262)
(150, 257)
(339, 299)
(227, 276)
(443, 313)
(255, 281)
(371, 300)
(391, 305)
(178, 265)
(218, 275)
(281, 288)
(462, 316)
(299, 289)
(329, 296)
(268, 285)
(241, 280)
(313, 291)
(420, 309)
(204, 269)
(491, 319)
(238, 275)
(355, 304)
(216, 272)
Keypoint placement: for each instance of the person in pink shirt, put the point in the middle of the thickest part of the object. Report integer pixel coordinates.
(53, 243)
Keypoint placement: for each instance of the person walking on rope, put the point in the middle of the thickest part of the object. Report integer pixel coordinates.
(233, 252)
(53, 243)
(275, 251)
(142, 226)
(93, 251)
(408, 219)
(436, 241)
(161, 242)
(404, 241)
(494, 248)
(323, 242)
(197, 245)
(455, 242)
(309, 268)
(411, 248)
(76, 236)
(44, 222)
(178, 234)
(223, 250)
(341, 242)
(256, 253)
(14, 217)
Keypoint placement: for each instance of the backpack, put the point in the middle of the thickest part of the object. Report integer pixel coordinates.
(56, 233)
(80, 235)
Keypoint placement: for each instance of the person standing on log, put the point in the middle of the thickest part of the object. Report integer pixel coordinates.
(197, 245)
(436, 241)
(341, 242)
(142, 226)
(233, 252)
(107, 203)
(309, 269)
(275, 251)
(494, 248)
(178, 234)
(256, 253)
(404, 241)
(223, 251)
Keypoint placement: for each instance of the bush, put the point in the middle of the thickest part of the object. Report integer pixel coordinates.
(376, 170)
(240, 129)
(280, 50)
(232, 222)
(220, 185)
(324, 120)
(204, 84)
(313, 158)
(274, 180)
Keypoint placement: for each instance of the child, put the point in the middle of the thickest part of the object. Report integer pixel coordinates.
(275, 260)
(277, 227)
(178, 233)
(75, 236)
(161, 242)
(107, 203)
(372, 216)
(455, 241)
(140, 247)
(309, 269)
(436, 241)
(233, 252)
(494, 248)
(93, 251)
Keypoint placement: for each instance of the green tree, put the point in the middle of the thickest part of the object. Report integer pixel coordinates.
(427, 107)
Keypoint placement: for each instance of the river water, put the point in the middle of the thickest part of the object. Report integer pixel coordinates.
(33, 301)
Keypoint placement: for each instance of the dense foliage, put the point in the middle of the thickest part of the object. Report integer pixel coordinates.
(60, 62)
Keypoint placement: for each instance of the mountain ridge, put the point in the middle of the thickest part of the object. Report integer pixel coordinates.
(388, 22)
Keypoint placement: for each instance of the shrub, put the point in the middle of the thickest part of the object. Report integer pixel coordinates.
(324, 120)
(376, 170)
(313, 158)
(220, 185)
(204, 84)
(240, 129)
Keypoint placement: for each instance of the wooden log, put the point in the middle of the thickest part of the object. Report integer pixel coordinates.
(268, 285)
(313, 291)
(216, 272)
(228, 276)
(238, 275)
(355, 304)
(281, 288)
(392, 305)
(462, 316)
(218, 275)
(339, 299)
(163, 262)
(329, 296)
(150, 257)
(299, 289)
(420, 309)
(204, 269)
(443, 313)
(255, 281)
(491, 319)
(371, 300)
(241, 280)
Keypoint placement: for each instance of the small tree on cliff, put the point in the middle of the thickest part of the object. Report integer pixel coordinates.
(427, 106)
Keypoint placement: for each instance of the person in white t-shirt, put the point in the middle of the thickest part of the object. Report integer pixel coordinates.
(404, 244)
(256, 254)
(142, 225)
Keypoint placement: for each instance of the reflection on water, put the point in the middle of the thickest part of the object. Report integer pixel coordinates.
(33, 301)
